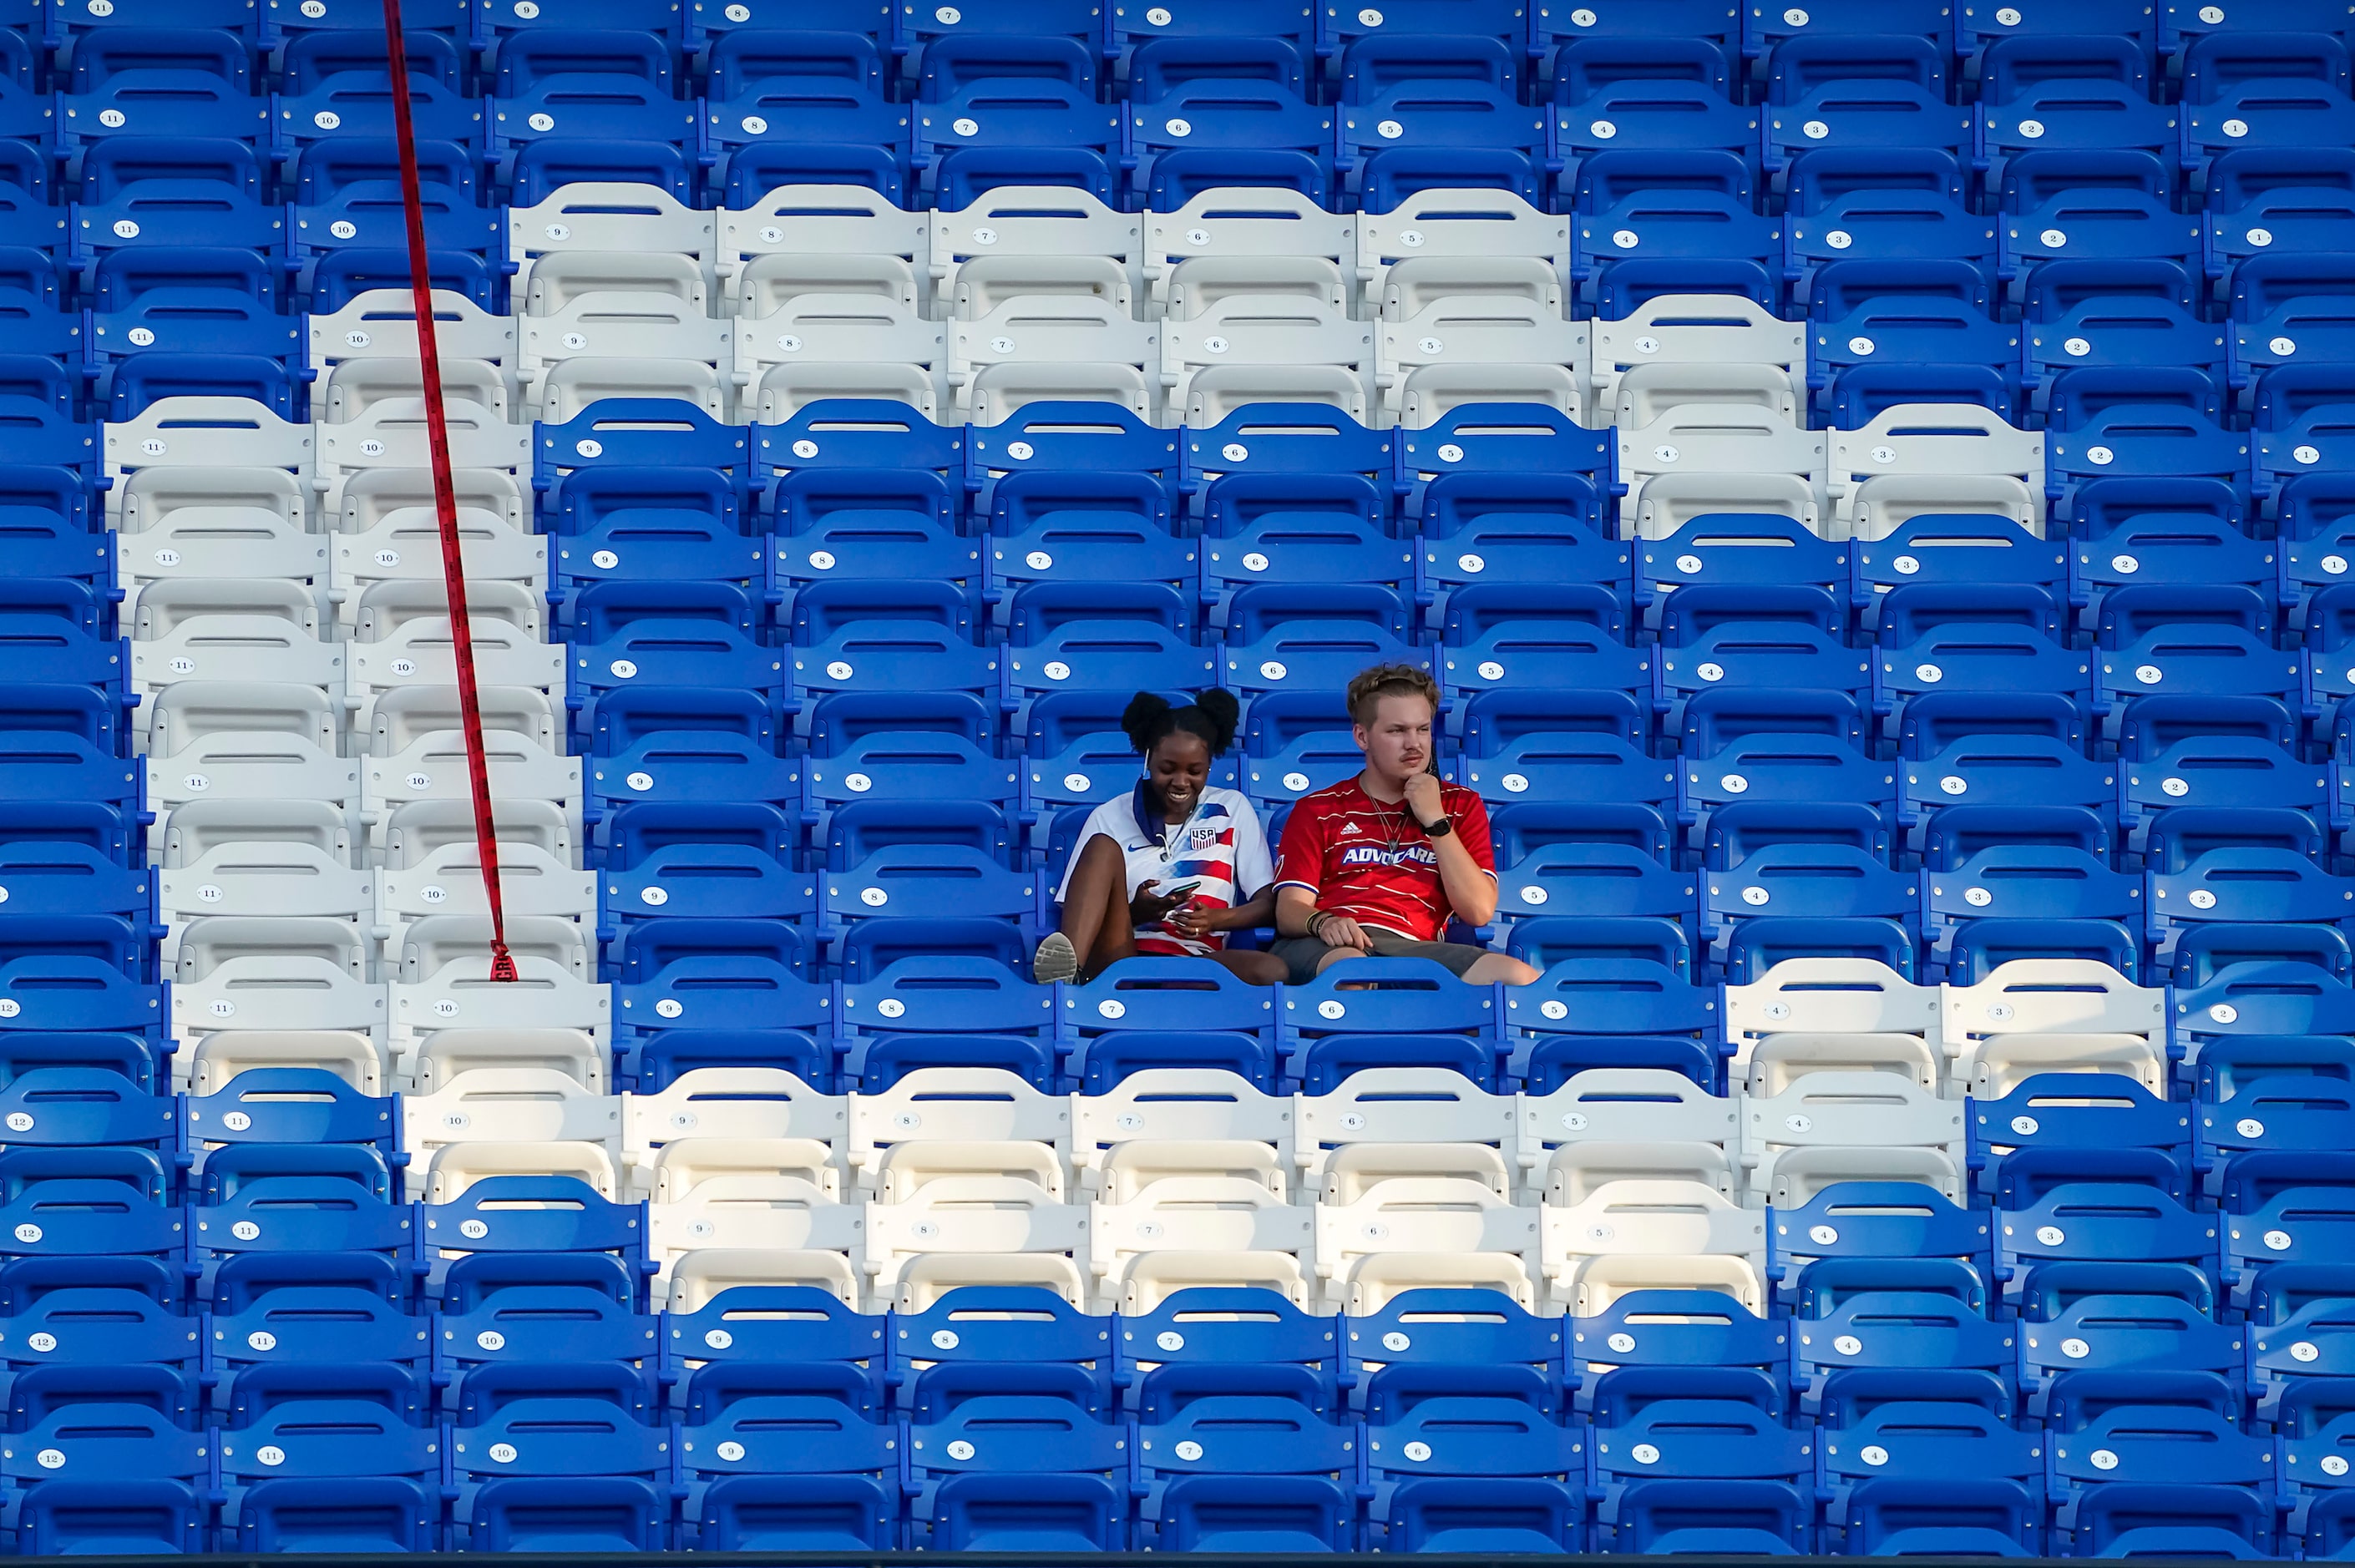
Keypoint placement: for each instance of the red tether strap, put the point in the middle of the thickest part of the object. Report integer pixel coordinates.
(445, 496)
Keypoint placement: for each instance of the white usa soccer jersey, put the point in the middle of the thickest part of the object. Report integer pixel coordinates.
(1221, 849)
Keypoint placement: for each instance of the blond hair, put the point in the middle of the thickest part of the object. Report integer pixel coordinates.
(1389, 681)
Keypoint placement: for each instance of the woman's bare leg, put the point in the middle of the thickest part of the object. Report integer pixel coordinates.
(1096, 908)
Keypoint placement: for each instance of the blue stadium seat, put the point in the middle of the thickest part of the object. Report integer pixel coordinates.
(1150, 1013)
(1702, 1475)
(1426, 1017)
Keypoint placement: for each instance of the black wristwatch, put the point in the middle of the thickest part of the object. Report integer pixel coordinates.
(1438, 830)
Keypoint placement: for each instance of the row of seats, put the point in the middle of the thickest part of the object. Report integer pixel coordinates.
(1009, 1442)
(1882, 576)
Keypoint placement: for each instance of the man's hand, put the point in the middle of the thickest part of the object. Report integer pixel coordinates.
(1423, 797)
(1340, 931)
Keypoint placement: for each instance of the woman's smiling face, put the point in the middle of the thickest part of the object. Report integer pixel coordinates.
(1179, 765)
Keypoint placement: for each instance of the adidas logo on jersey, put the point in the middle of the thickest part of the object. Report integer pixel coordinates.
(1349, 828)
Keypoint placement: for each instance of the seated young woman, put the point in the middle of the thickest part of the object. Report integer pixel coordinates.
(1169, 869)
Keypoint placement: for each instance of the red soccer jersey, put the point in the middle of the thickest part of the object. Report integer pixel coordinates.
(1370, 862)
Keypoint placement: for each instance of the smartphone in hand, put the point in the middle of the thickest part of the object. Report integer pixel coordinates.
(1183, 890)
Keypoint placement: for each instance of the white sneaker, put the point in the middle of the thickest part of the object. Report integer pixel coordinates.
(1055, 961)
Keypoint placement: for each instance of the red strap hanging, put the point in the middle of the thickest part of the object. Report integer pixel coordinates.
(445, 497)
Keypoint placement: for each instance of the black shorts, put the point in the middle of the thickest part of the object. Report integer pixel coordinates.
(1302, 954)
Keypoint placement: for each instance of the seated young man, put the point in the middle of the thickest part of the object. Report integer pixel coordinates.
(1377, 863)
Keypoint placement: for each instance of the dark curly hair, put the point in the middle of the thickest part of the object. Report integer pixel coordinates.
(1212, 716)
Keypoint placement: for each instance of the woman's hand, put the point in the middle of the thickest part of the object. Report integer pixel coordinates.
(1190, 921)
(1149, 908)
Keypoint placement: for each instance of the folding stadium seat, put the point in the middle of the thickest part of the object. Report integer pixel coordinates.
(1457, 226)
(794, 312)
(1227, 240)
(812, 1474)
(1702, 1474)
(2091, 205)
(2261, 1095)
(364, 1455)
(936, 1239)
(594, 99)
(1885, 204)
(1497, 1478)
(1039, 1478)
(372, 337)
(2105, 1026)
(1063, 539)
(413, 744)
(715, 1122)
(1610, 1124)
(339, 135)
(120, 1474)
(1127, 1135)
(1401, 1231)
(1663, 92)
(592, 1467)
(1421, 1023)
(1735, 416)
(869, 909)
(46, 528)
(2261, 198)
(1219, 113)
(1632, 1012)
(1249, 347)
(2067, 92)
(996, 109)
(245, 630)
(2120, 1476)
(2174, 807)
(1357, 1135)
(672, 634)
(1043, 311)
(236, 455)
(1885, 89)
(1829, 1013)
(1507, 347)
(1933, 1473)
(2298, 418)
(245, 857)
(148, 100)
(1682, 219)
(765, 1209)
(1055, 332)
(973, 1023)
(1624, 898)
(1405, 98)
(1980, 790)
(401, 630)
(1900, 347)
(247, 740)
(1790, 898)
(245, 970)
(788, 107)
(387, 532)
(646, 524)
(1225, 1222)
(1653, 1234)
(652, 334)
(443, 963)
(2143, 422)
(2278, 288)
(2264, 89)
